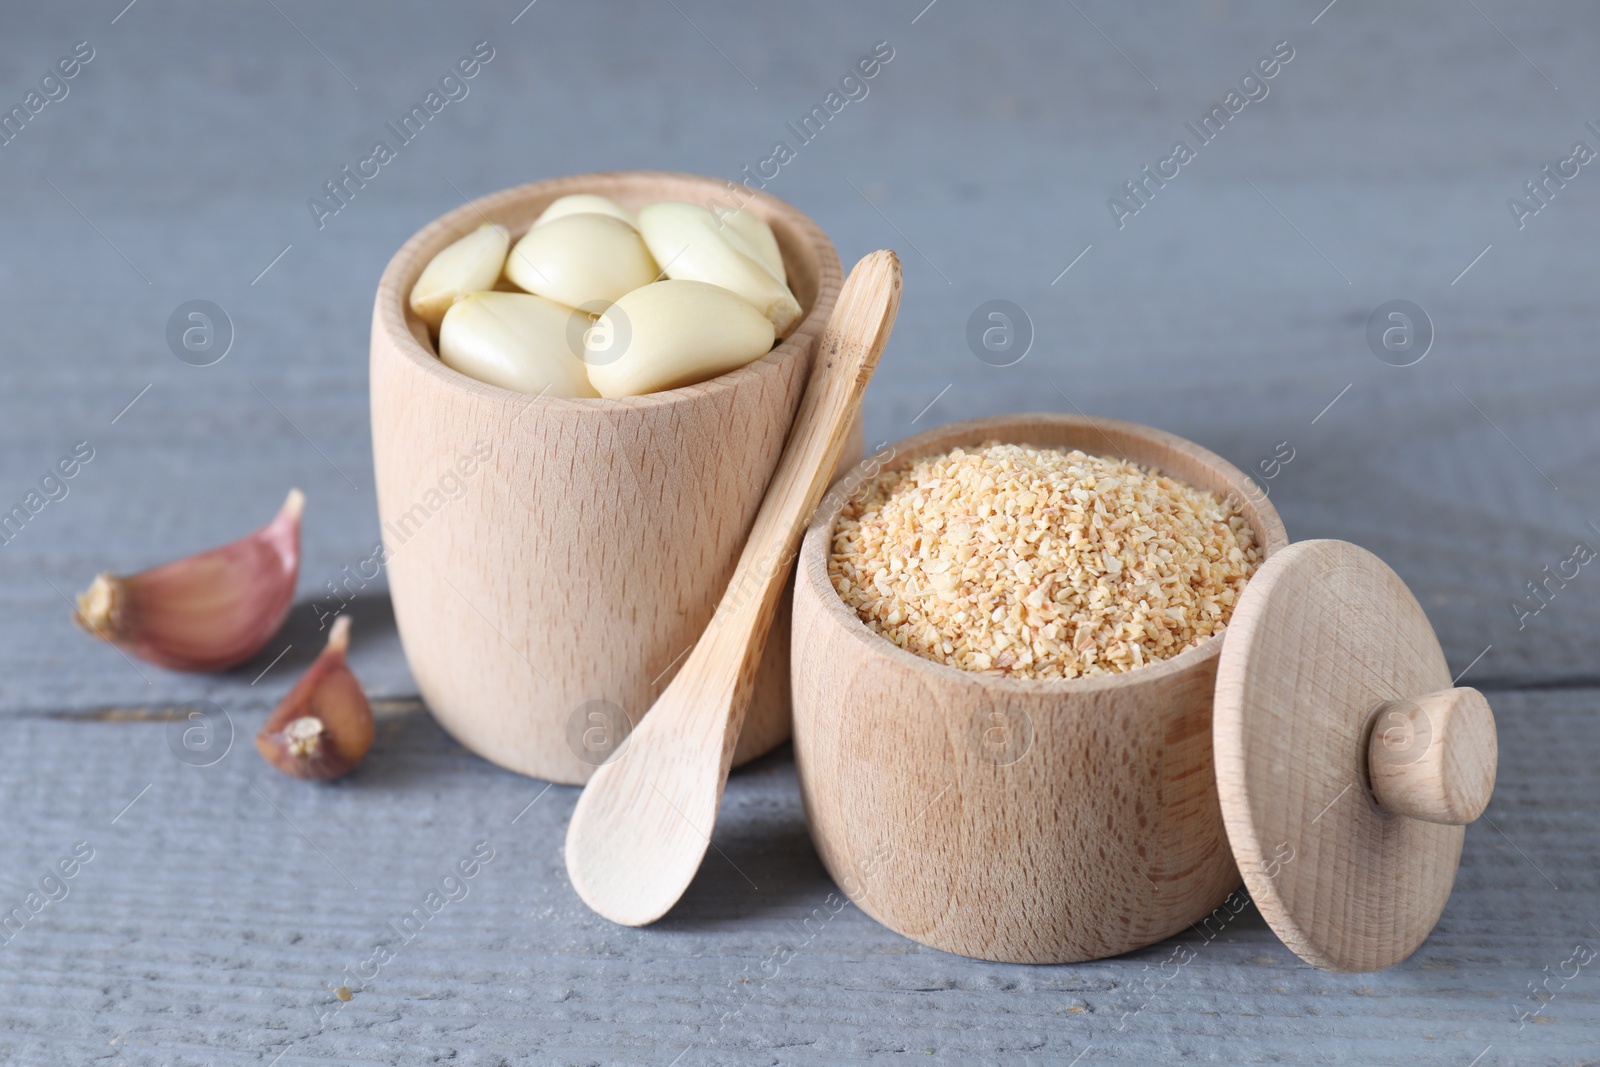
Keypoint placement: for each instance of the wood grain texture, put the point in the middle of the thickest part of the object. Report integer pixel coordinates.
(207, 930)
(644, 822)
(1016, 820)
(1323, 639)
(1147, 327)
(544, 611)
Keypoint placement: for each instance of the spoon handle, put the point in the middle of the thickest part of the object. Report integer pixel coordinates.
(642, 826)
(846, 357)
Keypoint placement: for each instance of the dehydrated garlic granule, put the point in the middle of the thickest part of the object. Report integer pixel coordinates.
(1030, 562)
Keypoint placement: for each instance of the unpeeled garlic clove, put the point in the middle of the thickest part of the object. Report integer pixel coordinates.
(755, 232)
(585, 204)
(470, 265)
(691, 245)
(676, 333)
(206, 612)
(516, 341)
(323, 728)
(581, 260)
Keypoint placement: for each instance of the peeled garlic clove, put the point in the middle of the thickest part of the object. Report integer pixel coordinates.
(324, 726)
(755, 233)
(581, 260)
(676, 333)
(206, 612)
(688, 242)
(516, 341)
(471, 265)
(585, 204)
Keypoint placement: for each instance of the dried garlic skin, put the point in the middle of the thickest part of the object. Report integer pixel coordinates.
(585, 204)
(516, 341)
(206, 612)
(323, 727)
(691, 245)
(755, 232)
(581, 260)
(676, 333)
(470, 265)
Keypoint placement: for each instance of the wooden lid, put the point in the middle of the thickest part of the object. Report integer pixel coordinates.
(1346, 764)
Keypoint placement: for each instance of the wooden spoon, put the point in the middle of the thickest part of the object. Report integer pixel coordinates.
(644, 822)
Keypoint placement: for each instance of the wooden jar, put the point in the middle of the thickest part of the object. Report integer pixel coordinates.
(550, 560)
(1025, 821)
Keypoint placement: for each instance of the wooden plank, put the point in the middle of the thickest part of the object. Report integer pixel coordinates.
(1209, 313)
(207, 929)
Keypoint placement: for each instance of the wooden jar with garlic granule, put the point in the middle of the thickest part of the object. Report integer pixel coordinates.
(1007, 754)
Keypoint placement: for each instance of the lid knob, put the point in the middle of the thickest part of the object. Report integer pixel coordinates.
(1433, 757)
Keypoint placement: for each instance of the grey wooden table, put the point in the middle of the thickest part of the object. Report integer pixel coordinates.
(1230, 304)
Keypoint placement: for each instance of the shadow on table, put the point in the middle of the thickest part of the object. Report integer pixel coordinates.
(305, 632)
(761, 861)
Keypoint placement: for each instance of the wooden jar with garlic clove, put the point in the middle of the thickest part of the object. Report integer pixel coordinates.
(544, 609)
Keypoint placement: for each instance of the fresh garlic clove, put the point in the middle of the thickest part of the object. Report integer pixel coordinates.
(755, 232)
(676, 333)
(471, 265)
(323, 728)
(691, 245)
(207, 612)
(581, 260)
(585, 204)
(516, 341)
